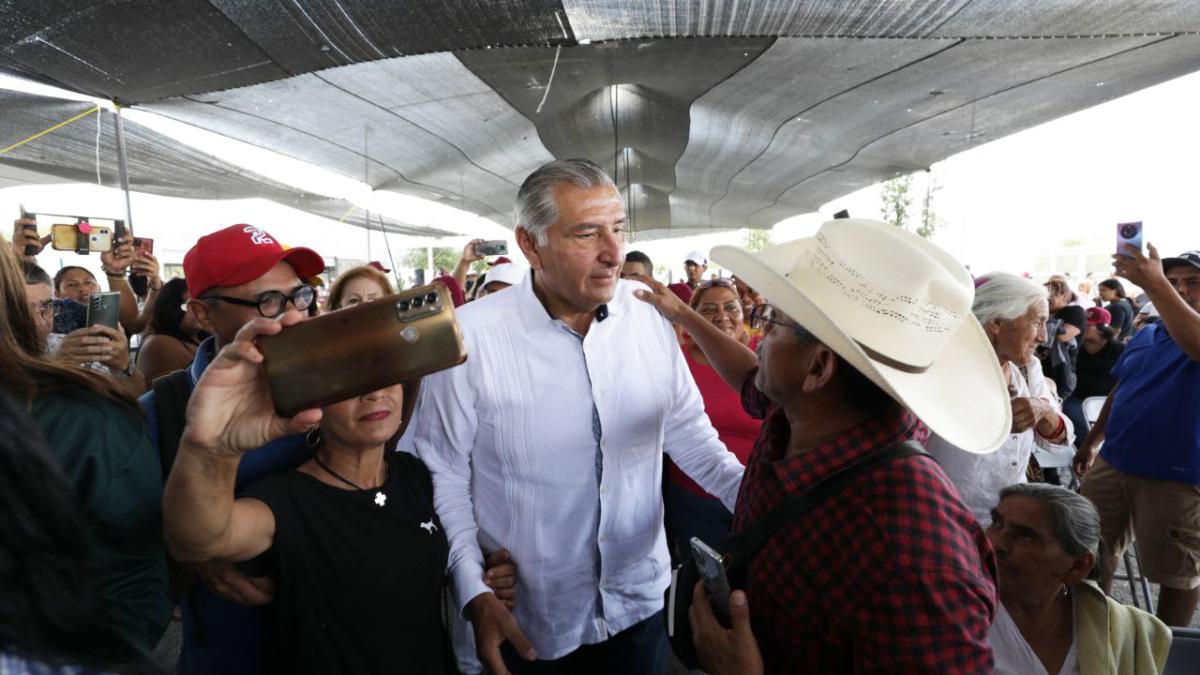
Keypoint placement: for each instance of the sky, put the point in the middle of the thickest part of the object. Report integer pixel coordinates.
(1006, 204)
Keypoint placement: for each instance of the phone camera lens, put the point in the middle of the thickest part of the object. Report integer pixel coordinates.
(1129, 231)
(418, 301)
(431, 298)
(404, 305)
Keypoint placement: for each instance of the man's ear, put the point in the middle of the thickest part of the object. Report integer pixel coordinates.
(821, 369)
(201, 312)
(529, 246)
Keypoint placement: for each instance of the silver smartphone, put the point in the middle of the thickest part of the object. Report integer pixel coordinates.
(711, 566)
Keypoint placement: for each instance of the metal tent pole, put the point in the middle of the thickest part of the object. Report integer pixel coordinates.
(122, 169)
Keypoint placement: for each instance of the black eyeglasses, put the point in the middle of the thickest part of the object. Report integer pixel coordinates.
(272, 304)
(764, 316)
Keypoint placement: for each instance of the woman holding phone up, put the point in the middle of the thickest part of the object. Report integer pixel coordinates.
(351, 536)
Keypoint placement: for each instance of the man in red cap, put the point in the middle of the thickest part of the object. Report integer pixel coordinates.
(233, 275)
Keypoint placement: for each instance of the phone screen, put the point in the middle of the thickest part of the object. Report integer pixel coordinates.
(1129, 234)
(143, 245)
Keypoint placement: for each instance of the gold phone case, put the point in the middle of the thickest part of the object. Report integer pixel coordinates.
(65, 237)
(336, 356)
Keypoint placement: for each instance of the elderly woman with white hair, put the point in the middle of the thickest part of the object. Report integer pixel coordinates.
(1013, 312)
(1050, 618)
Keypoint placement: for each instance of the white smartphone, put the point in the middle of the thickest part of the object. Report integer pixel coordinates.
(711, 566)
(1131, 234)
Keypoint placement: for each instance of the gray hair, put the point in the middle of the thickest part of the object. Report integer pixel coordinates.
(1073, 518)
(536, 208)
(1004, 296)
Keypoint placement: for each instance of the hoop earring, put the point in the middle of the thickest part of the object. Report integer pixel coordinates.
(313, 437)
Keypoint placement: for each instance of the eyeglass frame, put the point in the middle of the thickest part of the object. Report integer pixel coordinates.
(755, 319)
(257, 302)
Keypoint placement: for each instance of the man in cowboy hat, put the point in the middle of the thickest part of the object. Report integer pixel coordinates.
(868, 333)
(1146, 481)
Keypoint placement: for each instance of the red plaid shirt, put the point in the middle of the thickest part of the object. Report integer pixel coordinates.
(892, 575)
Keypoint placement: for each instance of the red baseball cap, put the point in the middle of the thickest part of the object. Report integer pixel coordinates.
(1098, 316)
(241, 253)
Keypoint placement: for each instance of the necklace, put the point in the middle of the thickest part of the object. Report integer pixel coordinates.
(380, 498)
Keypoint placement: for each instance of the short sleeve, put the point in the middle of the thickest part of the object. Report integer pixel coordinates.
(1140, 340)
(270, 491)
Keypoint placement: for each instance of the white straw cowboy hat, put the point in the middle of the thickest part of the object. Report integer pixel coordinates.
(898, 309)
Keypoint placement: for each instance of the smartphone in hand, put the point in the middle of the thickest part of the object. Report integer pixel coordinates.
(103, 309)
(711, 566)
(81, 237)
(492, 247)
(1129, 234)
(370, 346)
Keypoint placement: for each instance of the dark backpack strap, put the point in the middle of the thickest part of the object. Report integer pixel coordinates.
(171, 394)
(740, 548)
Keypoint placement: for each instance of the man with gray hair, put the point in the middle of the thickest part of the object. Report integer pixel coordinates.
(539, 445)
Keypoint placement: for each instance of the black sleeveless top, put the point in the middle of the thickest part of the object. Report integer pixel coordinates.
(358, 574)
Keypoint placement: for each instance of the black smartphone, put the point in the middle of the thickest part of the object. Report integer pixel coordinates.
(492, 247)
(31, 227)
(711, 566)
(138, 282)
(103, 309)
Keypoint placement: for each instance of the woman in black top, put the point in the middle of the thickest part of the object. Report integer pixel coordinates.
(1119, 307)
(1069, 321)
(1093, 369)
(351, 537)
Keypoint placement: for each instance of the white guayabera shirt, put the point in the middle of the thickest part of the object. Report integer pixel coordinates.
(550, 444)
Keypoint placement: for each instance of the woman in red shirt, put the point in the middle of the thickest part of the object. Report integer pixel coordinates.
(692, 512)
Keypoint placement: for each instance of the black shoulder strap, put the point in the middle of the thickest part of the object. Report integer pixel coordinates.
(740, 548)
(171, 393)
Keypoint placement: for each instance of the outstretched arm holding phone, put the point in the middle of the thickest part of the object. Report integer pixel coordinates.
(1175, 305)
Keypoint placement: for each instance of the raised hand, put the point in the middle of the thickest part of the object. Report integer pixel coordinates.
(666, 302)
(231, 411)
(118, 258)
(147, 266)
(1144, 271)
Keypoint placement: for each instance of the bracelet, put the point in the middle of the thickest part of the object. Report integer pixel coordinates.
(1058, 431)
(113, 275)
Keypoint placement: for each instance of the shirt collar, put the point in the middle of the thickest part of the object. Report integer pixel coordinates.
(534, 313)
(204, 355)
(800, 472)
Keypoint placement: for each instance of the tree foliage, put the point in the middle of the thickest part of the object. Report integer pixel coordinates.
(758, 240)
(896, 205)
(443, 259)
(896, 200)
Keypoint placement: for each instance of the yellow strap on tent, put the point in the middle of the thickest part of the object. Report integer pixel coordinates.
(347, 213)
(56, 127)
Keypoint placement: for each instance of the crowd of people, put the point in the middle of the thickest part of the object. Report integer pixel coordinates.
(853, 421)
